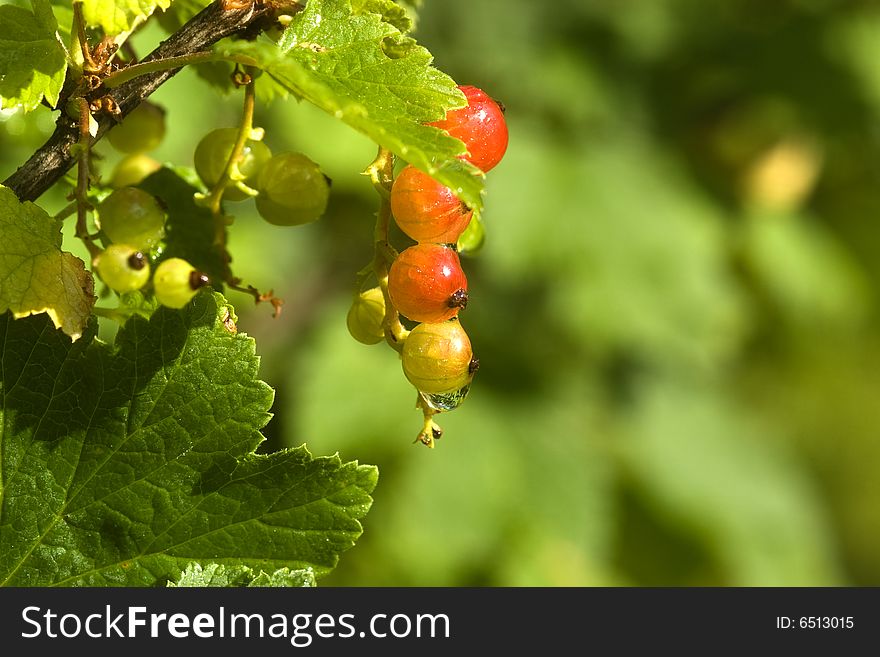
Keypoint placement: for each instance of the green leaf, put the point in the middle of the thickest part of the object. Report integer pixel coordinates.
(390, 11)
(44, 14)
(36, 276)
(215, 574)
(216, 74)
(189, 228)
(121, 465)
(302, 578)
(363, 71)
(32, 60)
(219, 74)
(64, 18)
(117, 16)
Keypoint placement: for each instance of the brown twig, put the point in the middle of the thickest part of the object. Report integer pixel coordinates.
(52, 160)
(82, 181)
(259, 297)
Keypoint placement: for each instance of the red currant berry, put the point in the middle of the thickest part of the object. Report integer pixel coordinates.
(437, 357)
(426, 210)
(426, 283)
(480, 125)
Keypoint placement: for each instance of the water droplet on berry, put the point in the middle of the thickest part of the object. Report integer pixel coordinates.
(446, 401)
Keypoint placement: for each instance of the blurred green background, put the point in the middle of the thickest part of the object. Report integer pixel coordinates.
(675, 308)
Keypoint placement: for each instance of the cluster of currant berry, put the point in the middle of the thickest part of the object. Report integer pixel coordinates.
(425, 282)
(289, 189)
(132, 222)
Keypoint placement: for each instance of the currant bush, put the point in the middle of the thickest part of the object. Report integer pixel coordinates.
(480, 125)
(293, 190)
(426, 283)
(132, 216)
(438, 358)
(141, 131)
(212, 154)
(123, 268)
(176, 282)
(426, 210)
(162, 228)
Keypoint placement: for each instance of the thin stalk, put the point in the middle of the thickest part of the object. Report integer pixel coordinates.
(80, 25)
(66, 211)
(168, 63)
(430, 429)
(381, 172)
(231, 175)
(119, 315)
(82, 180)
(75, 54)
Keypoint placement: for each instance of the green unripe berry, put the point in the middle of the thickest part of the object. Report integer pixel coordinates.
(366, 315)
(132, 169)
(292, 189)
(123, 268)
(176, 282)
(132, 216)
(142, 130)
(213, 152)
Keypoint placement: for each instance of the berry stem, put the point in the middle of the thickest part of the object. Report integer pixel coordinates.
(133, 71)
(119, 315)
(82, 180)
(66, 211)
(80, 25)
(259, 297)
(75, 56)
(430, 429)
(381, 173)
(231, 175)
